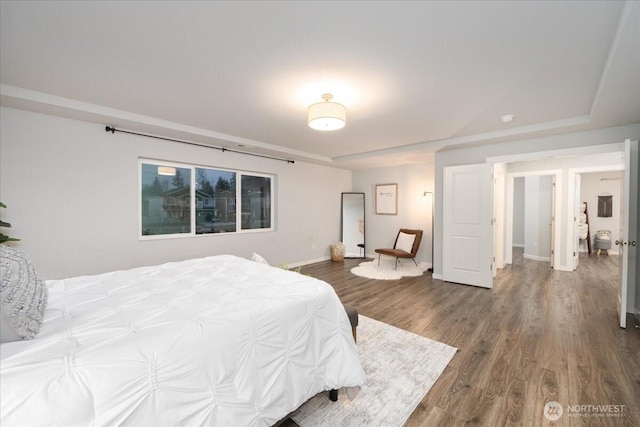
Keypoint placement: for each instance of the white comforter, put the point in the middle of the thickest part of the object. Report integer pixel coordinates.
(214, 341)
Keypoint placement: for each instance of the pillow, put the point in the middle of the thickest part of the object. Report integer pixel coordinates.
(405, 241)
(257, 258)
(23, 296)
(6, 332)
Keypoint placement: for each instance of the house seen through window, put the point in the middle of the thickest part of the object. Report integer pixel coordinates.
(185, 200)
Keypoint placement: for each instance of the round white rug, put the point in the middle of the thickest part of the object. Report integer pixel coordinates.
(386, 272)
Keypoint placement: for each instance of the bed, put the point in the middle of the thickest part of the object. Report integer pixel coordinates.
(216, 341)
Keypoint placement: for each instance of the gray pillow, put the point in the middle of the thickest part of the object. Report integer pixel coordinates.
(23, 296)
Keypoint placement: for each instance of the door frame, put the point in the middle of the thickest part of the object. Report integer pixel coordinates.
(577, 189)
(555, 189)
(571, 200)
(629, 231)
(556, 176)
(499, 197)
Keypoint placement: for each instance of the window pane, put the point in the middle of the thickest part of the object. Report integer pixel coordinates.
(215, 201)
(256, 202)
(166, 200)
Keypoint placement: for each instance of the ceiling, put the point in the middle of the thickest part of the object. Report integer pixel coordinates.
(415, 77)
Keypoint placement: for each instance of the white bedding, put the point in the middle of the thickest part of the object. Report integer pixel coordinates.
(213, 341)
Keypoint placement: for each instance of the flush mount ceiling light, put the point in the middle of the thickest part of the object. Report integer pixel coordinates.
(327, 115)
(166, 170)
(507, 118)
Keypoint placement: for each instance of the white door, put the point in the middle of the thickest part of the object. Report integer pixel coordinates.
(627, 245)
(467, 247)
(576, 221)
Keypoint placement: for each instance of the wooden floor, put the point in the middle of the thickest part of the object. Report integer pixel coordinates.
(539, 335)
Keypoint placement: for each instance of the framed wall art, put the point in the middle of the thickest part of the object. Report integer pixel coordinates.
(605, 206)
(387, 199)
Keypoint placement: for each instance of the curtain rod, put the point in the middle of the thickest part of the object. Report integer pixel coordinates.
(223, 149)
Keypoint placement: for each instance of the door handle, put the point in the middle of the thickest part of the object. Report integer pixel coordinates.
(632, 242)
(618, 243)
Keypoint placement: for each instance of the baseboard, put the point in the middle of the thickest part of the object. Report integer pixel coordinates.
(602, 252)
(517, 245)
(437, 276)
(313, 261)
(310, 261)
(537, 258)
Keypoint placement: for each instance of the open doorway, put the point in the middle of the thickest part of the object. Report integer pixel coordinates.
(594, 186)
(570, 165)
(564, 168)
(530, 223)
(533, 217)
(600, 196)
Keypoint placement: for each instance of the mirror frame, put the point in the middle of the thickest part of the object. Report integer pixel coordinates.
(364, 234)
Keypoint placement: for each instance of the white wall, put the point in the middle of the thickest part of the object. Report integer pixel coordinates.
(537, 217)
(593, 186)
(518, 212)
(72, 195)
(414, 209)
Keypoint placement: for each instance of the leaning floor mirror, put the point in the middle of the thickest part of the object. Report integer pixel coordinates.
(352, 225)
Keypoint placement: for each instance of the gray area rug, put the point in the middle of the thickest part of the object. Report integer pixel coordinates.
(385, 270)
(400, 368)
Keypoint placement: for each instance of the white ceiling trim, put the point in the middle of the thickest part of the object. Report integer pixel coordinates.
(559, 153)
(12, 96)
(433, 146)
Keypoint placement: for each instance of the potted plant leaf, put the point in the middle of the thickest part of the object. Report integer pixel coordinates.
(3, 237)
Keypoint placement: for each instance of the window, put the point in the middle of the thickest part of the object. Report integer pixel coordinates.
(256, 202)
(166, 200)
(178, 200)
(216, 189)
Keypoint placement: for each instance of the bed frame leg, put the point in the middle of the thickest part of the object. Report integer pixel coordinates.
(333, 395)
